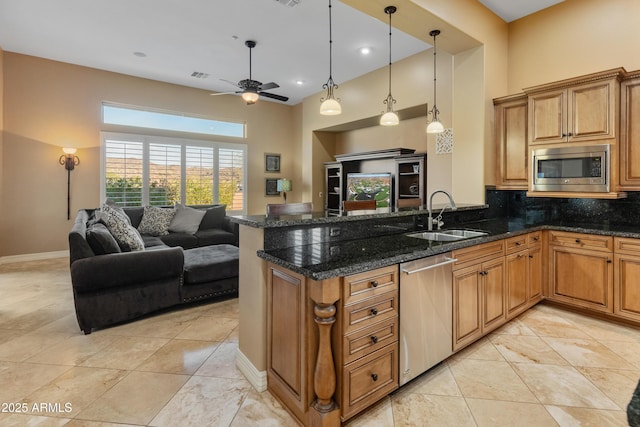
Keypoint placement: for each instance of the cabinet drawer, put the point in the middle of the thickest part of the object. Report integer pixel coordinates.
(370, 283)
(515, 244)
(367, 340)
(477, 254)
(579, 240)
(370, 311)
(626, 245)
(534, 239)
(369, 379)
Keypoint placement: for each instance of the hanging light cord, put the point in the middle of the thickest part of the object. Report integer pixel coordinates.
(434, 111)
(330, 85)
(389, 10)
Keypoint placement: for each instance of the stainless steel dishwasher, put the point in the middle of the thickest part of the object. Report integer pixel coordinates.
(426, 316)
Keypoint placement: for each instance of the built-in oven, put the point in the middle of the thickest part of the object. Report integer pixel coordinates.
(576, 168)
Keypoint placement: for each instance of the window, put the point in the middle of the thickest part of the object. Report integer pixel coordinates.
(144, 170)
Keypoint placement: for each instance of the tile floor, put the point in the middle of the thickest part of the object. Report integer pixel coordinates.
(548, 367)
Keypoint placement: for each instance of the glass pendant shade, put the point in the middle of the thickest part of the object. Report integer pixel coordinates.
(250, 97)
(435, 127)
(390, 118)
(330, 107)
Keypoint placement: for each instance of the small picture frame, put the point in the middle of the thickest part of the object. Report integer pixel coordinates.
(272, 162)
(271, 187)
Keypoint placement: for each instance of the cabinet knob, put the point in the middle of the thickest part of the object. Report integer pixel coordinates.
(374, 283)
(374, 339)
(374, 377)
(518, 243)
(609, 261)
(577, 240)
(535, 239)
(530, 256)
(374, 311)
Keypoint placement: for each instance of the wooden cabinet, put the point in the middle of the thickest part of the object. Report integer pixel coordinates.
(333, 184)
(510, 116)
(369, 339)
(627, 278)
(630, 133)
(581, 270)
(523, 272)
(576, 110)
(478, 292)
(410, 177)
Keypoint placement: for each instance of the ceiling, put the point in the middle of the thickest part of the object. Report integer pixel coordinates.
(168, 41)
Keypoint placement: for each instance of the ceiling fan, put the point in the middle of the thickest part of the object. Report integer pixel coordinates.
(253, 89)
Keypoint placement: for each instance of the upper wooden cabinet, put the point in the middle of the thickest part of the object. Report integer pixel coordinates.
(630, 133)
(510, 115)
(581, 109)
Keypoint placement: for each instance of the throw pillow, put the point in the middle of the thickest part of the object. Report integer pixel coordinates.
(101, 240)
(113, 205)
(127, 236)
(186, 219)
(213, 217)
(155, 221)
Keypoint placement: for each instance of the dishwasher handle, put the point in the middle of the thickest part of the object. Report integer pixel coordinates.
(446, 261)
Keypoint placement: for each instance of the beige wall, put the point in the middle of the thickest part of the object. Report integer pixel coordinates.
(573, 38)
(49, 105)
(1, 138)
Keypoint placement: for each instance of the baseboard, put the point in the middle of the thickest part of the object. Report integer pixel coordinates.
(33, 257)
(258, 379)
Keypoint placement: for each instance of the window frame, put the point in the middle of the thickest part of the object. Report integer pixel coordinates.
(147, 140)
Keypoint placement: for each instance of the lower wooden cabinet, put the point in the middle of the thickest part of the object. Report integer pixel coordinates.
(523, 265)
(627, 278)
(581, 270)
(478, 292)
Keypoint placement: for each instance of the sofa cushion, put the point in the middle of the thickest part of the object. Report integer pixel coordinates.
(186, 219)
(213, 217)
(126, 235)
(155, 221)
(210, 263)
(187, 241)
(215, 236)
(152, 241)
(101, 240)
(135, 215)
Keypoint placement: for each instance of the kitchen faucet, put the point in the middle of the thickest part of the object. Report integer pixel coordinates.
(438, 220)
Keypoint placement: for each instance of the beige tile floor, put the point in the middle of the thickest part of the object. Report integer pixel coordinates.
(548, 367)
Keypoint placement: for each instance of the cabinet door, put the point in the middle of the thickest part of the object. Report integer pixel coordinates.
(511, 144)
(581, 277)
(517, 280)
(627, 286)
(467, 324)
(630, 135)
(493, 307)
(592, 111)
(548, 117)
(535, 274)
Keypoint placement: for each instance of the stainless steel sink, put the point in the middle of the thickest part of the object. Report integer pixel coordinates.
(447, 235)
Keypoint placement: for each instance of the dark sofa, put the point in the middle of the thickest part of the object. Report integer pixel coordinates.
(109, 288)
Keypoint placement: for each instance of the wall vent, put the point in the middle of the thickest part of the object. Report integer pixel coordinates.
(199, 75)
(289, 3)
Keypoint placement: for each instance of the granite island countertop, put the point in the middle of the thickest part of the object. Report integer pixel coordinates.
(321, 261)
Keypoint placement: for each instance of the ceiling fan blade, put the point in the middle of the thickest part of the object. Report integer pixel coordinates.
(230, 82)
(274, 96)
(268, 86)
(223, 93)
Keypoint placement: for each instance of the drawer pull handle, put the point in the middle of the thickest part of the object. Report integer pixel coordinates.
(577, 240)
(374, 311)
(374, 377)
(608, 261)
(374, 283)
(374, 339)
(535, 239)
(530, 256)
(518, 243)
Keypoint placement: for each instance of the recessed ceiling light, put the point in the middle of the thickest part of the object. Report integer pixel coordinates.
(140, 54)
(364, 50)
(299, 82)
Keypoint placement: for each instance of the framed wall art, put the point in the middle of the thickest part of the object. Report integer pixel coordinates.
(272, 162)
(271, 187)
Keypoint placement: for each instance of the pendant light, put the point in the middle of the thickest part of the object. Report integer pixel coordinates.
(330, 106)
(434, 125)
(390, 118)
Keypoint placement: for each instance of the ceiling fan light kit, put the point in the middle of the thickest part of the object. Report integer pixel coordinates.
(330, 106)
(390, 118)
(434, 126)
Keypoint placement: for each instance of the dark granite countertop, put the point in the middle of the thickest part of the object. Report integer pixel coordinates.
(326, 260)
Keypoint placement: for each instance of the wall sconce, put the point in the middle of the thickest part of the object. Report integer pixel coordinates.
(284, 185)
(69, 160)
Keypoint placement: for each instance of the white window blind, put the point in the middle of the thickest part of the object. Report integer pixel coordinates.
(231, 173)
(199, 173)
(164, 174)
(124, 171)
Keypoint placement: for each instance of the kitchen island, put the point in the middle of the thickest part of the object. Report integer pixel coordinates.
(311, 280)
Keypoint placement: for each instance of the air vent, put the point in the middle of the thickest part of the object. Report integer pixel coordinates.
(199, 75)
(289, 3)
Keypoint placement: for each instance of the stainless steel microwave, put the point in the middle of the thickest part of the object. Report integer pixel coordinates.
(579, 168)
